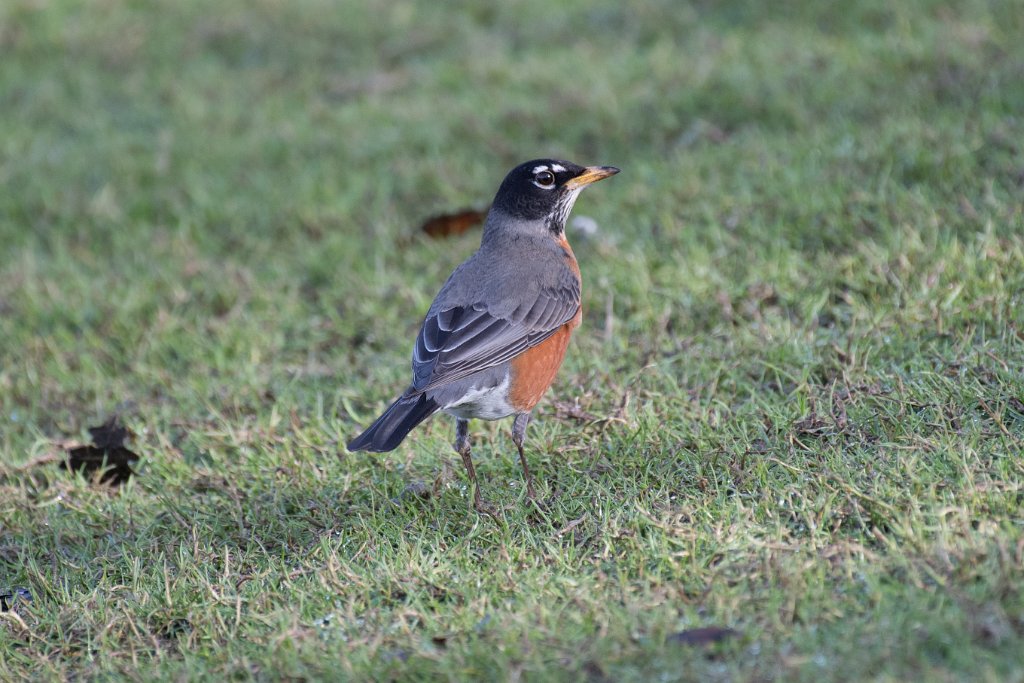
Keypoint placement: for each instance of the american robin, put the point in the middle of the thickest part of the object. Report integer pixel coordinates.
(497, 331)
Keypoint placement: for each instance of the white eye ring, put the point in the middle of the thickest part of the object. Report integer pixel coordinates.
(544, 179)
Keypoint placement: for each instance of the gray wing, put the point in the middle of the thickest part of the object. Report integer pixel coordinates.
(457, 341)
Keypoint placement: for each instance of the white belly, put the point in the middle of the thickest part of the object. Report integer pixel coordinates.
(488, 403)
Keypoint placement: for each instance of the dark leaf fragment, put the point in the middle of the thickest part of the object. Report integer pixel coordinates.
(573, 411)
(812, 425)
(452, 224)
(706, 635)
(175, 628)
(107, 453)
(441, 641)
(1017, 405)
(8, 599)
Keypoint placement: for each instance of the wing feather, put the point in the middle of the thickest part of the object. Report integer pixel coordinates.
(458, 341)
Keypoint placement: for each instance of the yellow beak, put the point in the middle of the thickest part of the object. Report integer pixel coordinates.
(591, 175)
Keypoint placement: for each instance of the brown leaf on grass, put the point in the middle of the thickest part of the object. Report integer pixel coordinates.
(700, 637)
(812, 425)
(1017, 405)
(174, 628)
(452, 224)
(572, 410)
(107, 453)
(9, 599)
(441, 641)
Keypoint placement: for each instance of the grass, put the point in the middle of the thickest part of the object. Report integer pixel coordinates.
(795, 408)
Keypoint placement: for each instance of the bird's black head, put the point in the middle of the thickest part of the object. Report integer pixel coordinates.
(545, 190)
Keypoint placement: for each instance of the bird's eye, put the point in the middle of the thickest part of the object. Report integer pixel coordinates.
(545, 179)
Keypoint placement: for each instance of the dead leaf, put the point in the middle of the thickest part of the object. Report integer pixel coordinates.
(453, 224)
(700, 637)
(8, 599)
(571, 525)
(414, 489)
(572, 410)
(812, 425)
(175, 628)
(441, 641)
(107, 453)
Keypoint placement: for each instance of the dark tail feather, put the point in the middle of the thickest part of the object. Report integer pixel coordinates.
(397, 421)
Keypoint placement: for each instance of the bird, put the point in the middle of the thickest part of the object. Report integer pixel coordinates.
(496, 333)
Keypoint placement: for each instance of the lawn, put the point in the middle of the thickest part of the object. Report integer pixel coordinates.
(795, 408)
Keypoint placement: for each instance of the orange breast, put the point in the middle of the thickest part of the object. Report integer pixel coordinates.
(534, 370)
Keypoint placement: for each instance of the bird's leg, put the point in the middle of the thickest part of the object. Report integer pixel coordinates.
(462, 446)
(518, 434)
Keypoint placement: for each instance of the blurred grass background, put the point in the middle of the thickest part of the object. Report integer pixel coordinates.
(801, 352)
